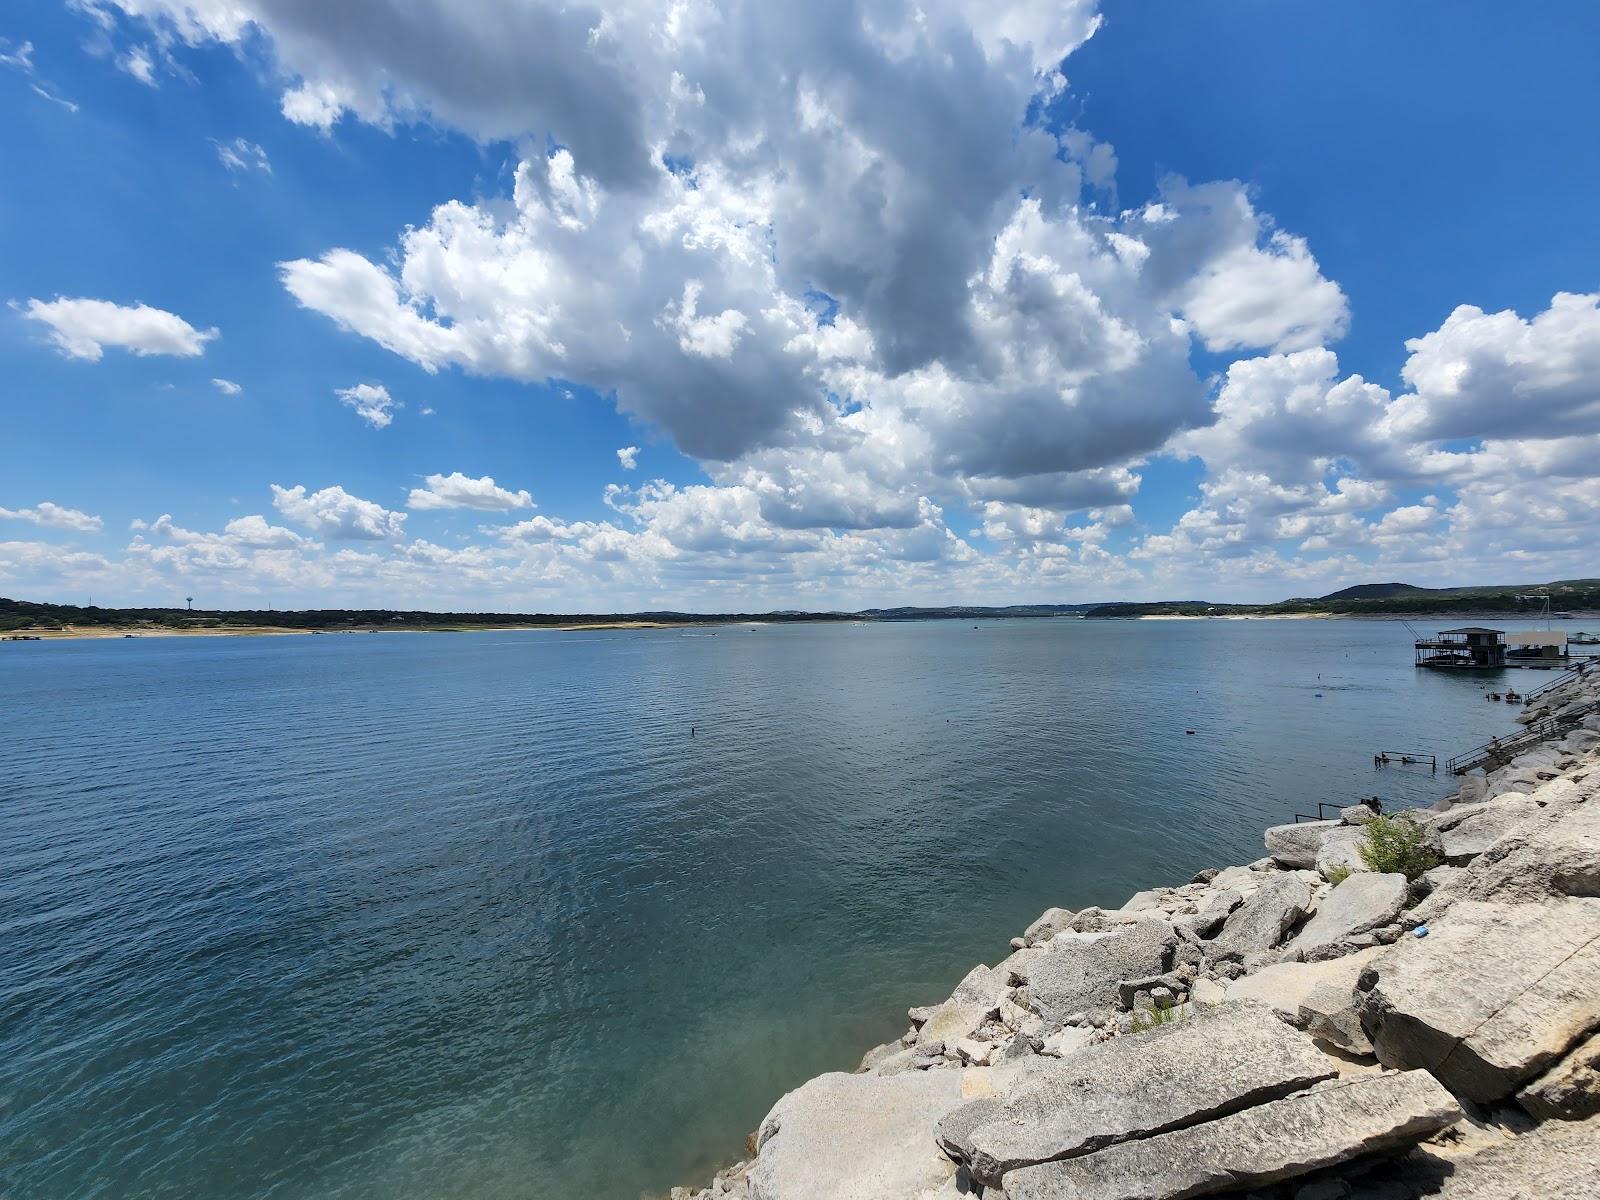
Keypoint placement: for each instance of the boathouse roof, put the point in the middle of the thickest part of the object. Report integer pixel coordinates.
(1472, 629)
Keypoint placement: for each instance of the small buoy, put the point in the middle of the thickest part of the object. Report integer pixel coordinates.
(1318, 695)
(1190, 732)
(1420, 931)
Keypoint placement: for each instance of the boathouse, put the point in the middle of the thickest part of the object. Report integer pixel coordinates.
(1537, 644)
(1471, 647)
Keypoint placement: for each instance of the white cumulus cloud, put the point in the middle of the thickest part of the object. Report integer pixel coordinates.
(371, 401)
(628, 456)
(456, 490)
(335, 513)
(82, 328)
(54, 516)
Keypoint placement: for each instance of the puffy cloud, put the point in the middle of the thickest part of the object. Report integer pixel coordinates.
(371, 401)
(335, 513)
(628, 457)
(456, 490)
(1487, 375)
(46, 562)
(54, 516)
(82, 328)
(1239, 281)
(227, 387)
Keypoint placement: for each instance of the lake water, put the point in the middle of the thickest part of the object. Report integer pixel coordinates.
(474, 915)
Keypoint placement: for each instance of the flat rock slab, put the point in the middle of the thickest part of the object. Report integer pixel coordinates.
(1297, 845)
(1464, 840)
(1285, 986)
(1560, 1160)
(1491, 997)
(1075, 976)
(1364, 901)
(1213, 1062)
(856, 1137)
(1262, 920)
(1274, 1141)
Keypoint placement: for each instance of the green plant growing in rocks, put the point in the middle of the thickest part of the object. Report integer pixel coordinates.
(1398, 847)
(1145, 1019)
(1338, 874)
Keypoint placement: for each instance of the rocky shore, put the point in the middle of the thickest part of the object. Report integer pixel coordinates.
(1306, 1027)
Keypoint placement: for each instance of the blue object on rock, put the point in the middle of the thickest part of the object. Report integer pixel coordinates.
(1420, 931)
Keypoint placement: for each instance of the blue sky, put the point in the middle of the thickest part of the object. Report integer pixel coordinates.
(1037, 303)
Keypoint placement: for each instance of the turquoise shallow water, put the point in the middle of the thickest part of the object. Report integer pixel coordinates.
(474, 916)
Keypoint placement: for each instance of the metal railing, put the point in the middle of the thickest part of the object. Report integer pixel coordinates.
(1497, 752)
(1575, 673)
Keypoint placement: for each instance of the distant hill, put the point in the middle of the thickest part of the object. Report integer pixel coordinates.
(1385, 599)
(1379, 591)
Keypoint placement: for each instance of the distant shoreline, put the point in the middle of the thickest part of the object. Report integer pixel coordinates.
(103, 632)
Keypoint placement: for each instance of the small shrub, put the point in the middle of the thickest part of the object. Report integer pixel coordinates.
(1338, 874)
(1396, 846)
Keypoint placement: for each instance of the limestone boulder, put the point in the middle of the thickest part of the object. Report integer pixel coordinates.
(981, 986)
(1212, 913)
(1076, 976)
(952, 1023)
(1491, 997)
(1556, 853)
(1240, 879)
(1095, 919)
(1569, 1090)
(1051, 922)
(1208, 992)
(856, 1137)
(1341, 852)
(1262, 920)
(1012, 969)
(1469, 835)
(1211, 1063)
(1556, 1161)
(1285, 986)
(1069, 1040)
(1297, 845)
(1261, 1145)
(1431, 881)
(1361, 902)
